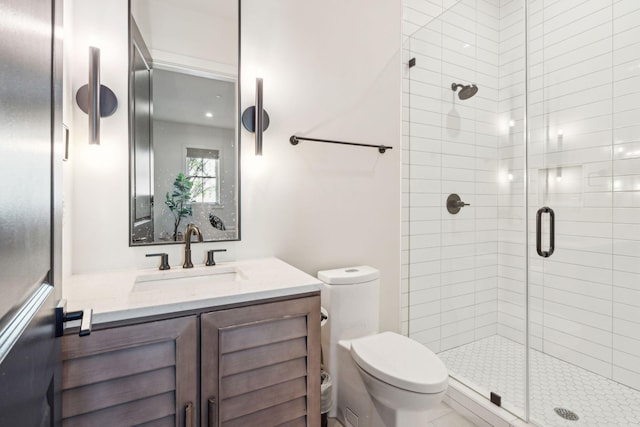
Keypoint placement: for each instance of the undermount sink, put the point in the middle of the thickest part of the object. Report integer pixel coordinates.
(198, 277)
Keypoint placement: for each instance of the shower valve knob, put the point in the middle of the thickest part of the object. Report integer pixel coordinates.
(454, 204)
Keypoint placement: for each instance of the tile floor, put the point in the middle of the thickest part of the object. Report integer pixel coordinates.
(497, 364)
(442, 416)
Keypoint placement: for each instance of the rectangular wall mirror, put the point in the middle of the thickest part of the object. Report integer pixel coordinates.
(184, 116)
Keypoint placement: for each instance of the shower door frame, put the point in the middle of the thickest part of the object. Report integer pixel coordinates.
(527, 314)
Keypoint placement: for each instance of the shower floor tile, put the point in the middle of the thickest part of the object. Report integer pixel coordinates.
(497, 365)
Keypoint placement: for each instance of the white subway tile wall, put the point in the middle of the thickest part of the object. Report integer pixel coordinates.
(450, 272)
(626, 192)
(464, 274)
(511, 165)
(584, 61)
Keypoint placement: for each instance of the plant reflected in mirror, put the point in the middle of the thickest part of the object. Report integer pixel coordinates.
(179, 202)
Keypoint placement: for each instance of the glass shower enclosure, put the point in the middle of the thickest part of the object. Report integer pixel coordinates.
(522, 202)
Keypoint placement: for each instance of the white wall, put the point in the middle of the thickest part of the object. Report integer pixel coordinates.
(331, 70)
(96, 201)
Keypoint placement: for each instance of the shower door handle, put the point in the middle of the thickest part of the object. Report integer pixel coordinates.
(552, 231)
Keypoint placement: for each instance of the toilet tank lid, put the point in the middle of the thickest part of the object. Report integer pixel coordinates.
(349, 275)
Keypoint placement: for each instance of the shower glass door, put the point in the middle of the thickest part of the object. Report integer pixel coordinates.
(584, 167)
(547, 321)
(465, 268)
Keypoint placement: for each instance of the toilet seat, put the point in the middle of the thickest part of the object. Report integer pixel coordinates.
(401, 362)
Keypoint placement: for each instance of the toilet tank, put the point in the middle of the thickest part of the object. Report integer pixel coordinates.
(351, 297)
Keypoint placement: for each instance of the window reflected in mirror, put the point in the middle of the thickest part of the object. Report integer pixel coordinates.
(202, 169)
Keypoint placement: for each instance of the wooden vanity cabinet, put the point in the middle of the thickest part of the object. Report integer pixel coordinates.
(255, 365)
(132, 375)
(261, 365)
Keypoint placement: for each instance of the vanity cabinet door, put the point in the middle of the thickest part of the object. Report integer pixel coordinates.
(131, 375)
(261, 365)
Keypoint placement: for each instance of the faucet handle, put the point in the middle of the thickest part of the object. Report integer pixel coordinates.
(164, 260)
(210, 252)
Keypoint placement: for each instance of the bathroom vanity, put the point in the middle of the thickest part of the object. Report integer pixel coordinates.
(237, 344)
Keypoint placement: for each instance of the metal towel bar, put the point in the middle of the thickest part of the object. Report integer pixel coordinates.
(294, 140)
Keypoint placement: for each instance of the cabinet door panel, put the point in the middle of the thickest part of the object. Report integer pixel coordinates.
(261, 364)
(292, 411)
(138, 374)
(263, 398)
(298, 422)
(265, 355)
(127, 414)
(261, 333)
(112, 365)
(125, 337)
(234, 385)
(80, 400)
(164, 422)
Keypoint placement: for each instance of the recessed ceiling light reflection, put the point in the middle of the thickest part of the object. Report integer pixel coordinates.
(208, 114)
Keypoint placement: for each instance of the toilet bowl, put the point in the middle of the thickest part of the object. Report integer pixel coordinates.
(404, 378)
(380, 379)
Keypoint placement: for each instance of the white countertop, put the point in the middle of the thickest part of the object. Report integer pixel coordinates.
(116, 296)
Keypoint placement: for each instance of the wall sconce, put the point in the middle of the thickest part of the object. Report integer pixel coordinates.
(255, 119)
(95, 99)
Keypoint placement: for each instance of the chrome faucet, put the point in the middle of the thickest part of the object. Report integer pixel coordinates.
(188, 232)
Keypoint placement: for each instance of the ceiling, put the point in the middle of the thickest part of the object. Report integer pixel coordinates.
(185, 98)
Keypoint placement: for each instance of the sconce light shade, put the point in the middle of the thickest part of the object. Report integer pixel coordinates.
(94, 99)
(255, 119)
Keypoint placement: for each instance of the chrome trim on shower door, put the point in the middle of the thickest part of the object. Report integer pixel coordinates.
(552, 231)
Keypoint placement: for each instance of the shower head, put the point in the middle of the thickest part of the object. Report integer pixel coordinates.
(466, 92)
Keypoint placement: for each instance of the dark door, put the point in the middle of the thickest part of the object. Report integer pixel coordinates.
(30, 363)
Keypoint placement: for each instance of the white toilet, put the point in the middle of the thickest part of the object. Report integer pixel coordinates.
(380, 379)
